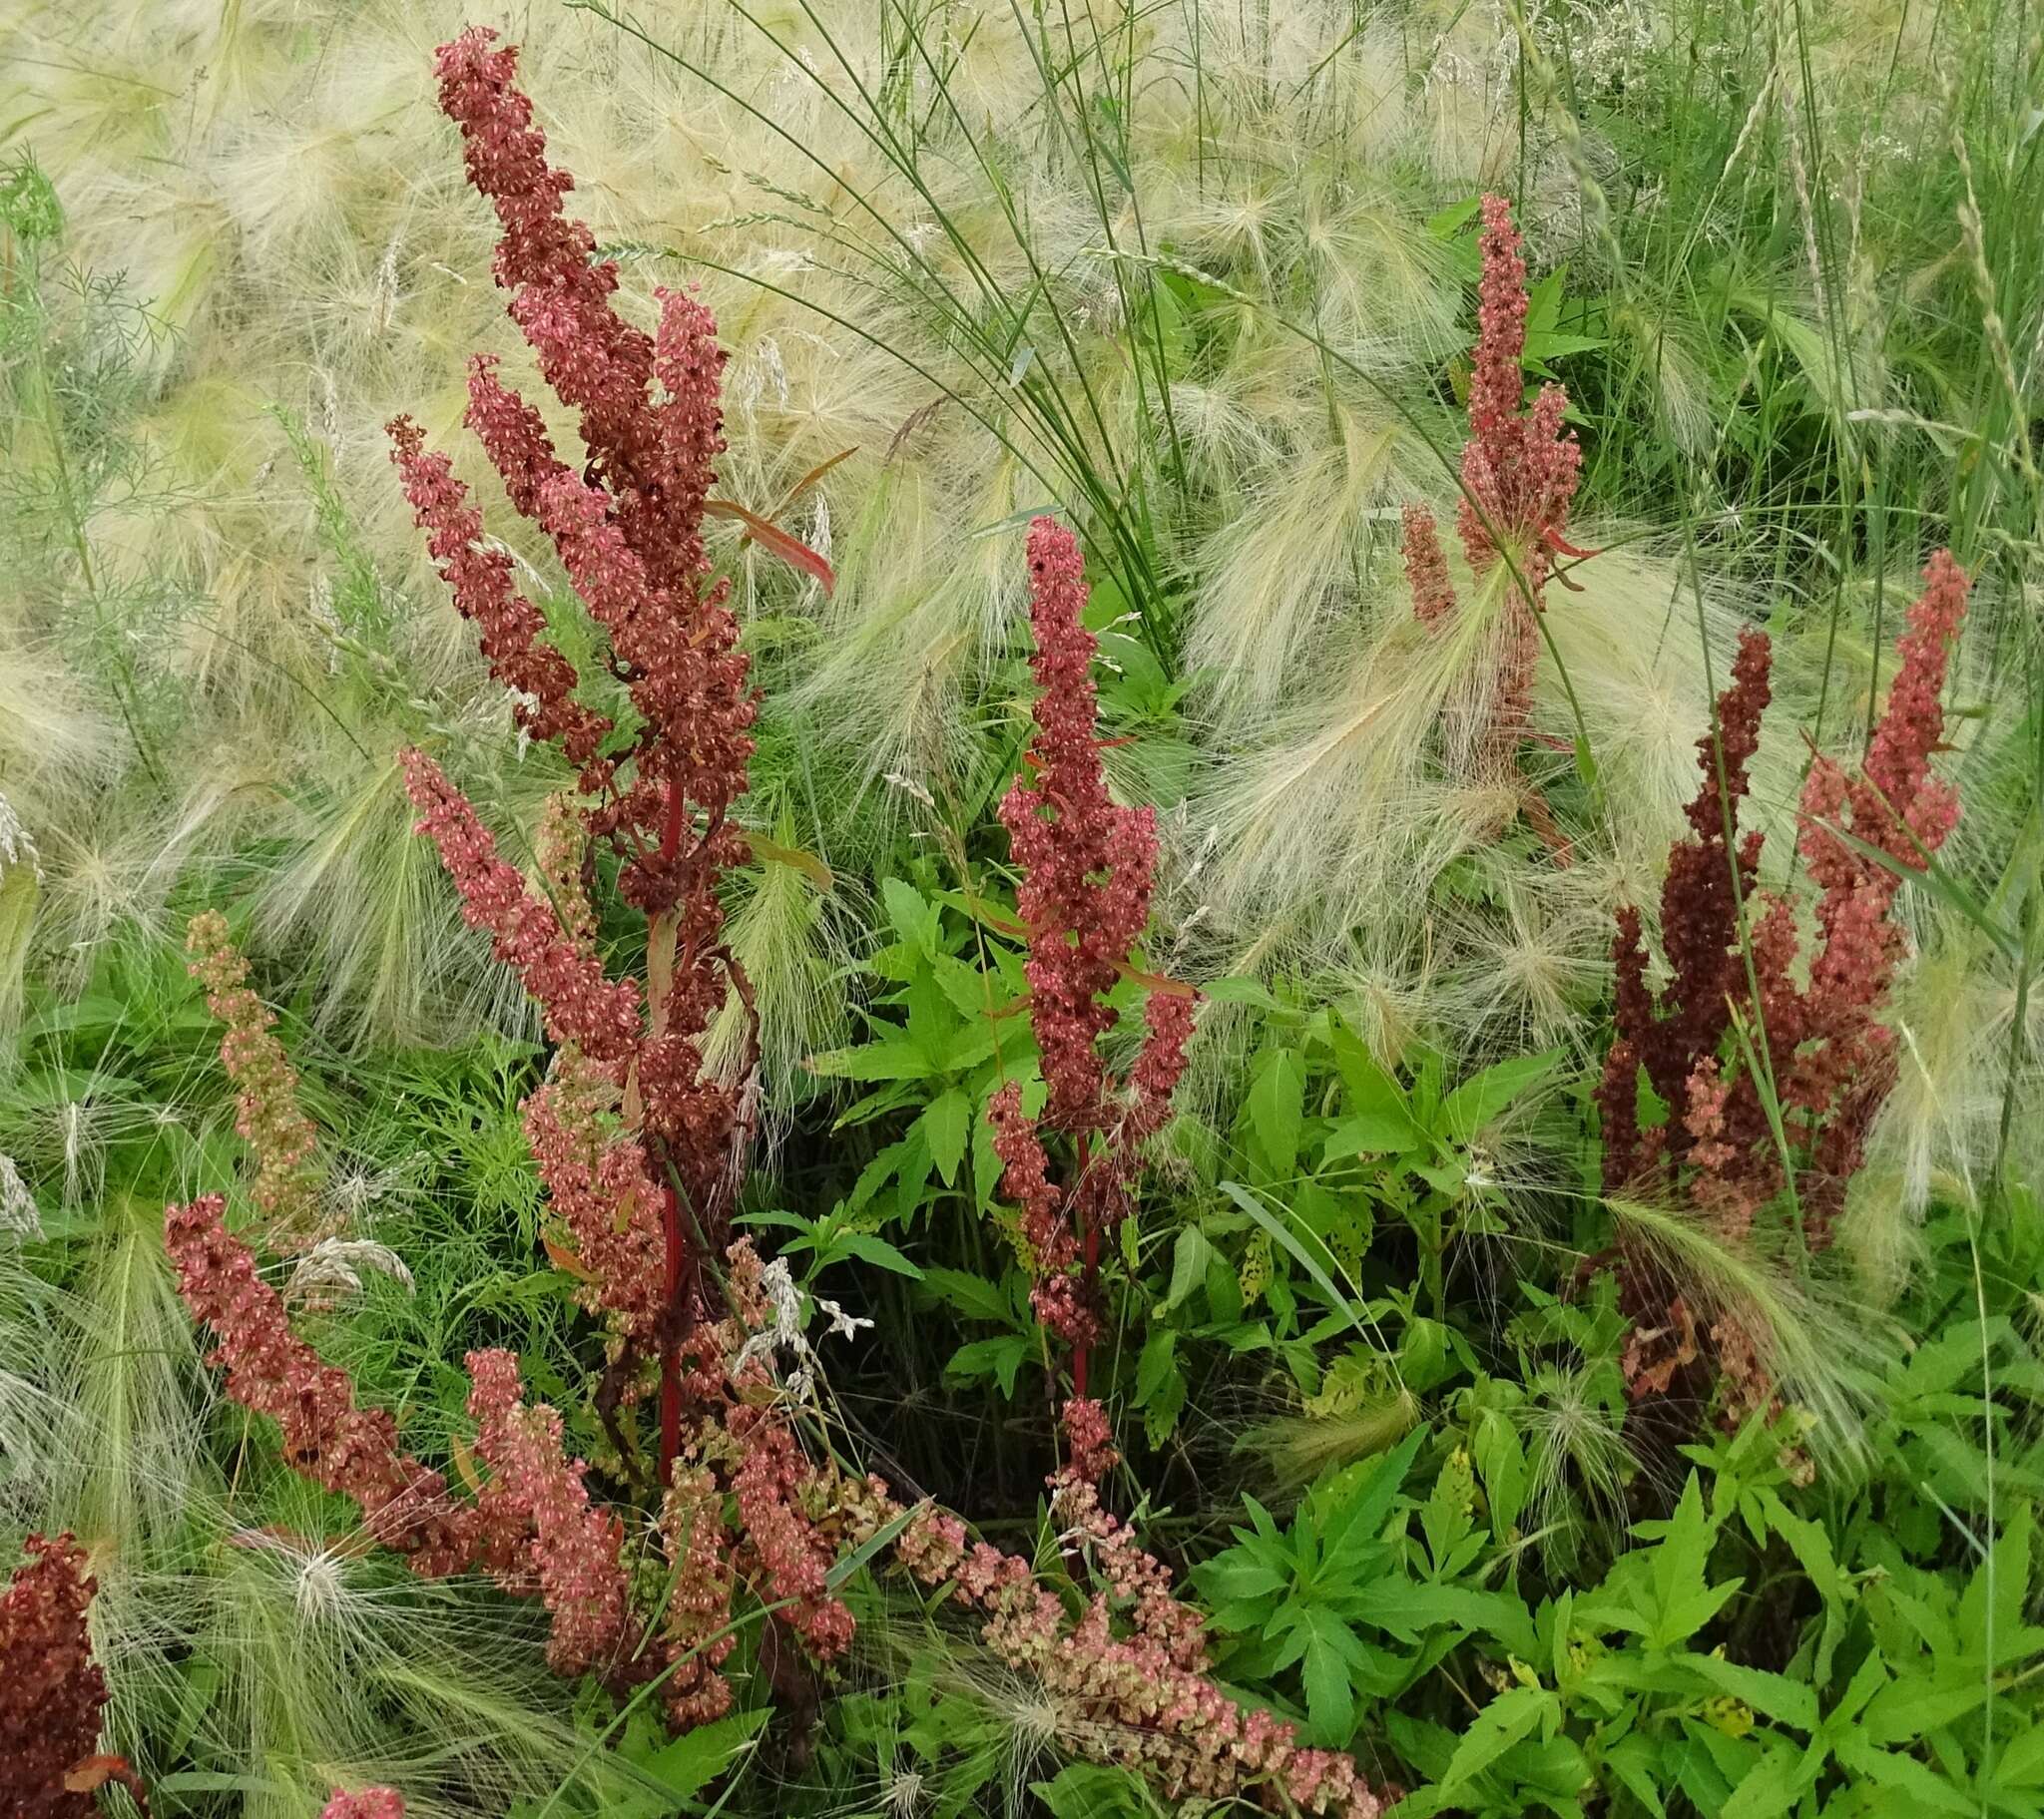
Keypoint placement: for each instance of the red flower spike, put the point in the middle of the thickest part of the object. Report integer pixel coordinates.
(371, 1803)
(1829, 1058)
(1518, 478)
(327, 1438)
(1088, 867)
(573, 1550)
(51, 1692)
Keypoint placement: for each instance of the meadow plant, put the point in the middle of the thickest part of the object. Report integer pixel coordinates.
(1088, 867)
(628, 529)
(1769, 1085)
(1129, 1677)
(632, 1131)
(1518, 476)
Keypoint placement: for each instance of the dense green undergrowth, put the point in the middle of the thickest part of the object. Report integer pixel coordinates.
(1203, 280)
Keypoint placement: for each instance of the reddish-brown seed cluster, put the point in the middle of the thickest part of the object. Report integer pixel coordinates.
(266, 1111)
(600, 1187)
(1819, 1044)
(1130, 1677)
(511, 628)
(51, 1690)
(1088, 867)
(369, 1803)
(660, 791)
(538, 1506)
(1518, 478)
(327, 1438)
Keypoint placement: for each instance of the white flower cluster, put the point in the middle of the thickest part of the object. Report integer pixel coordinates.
(785, 1334)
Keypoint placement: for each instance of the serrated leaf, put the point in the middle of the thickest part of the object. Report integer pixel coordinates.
(1773, 1695)
(999, 1358)
(1508, 1717)
(1329, 1696)
(1275, 1109)
(875, 1250)
(1924, 1785)
(946, 1121)
(895, 1060)
(915, 918)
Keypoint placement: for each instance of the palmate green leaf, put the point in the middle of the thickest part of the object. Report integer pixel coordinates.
(1511, 1715)
(1356, 1531)
(1772, 1695)
(1686, 1603)
(945, 1123)
(1000, 1358)
(1926, 1790)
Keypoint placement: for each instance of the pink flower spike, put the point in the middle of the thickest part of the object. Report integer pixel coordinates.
(579, 1004)
(574, 1550)
(371, 1803)
(270, 1371)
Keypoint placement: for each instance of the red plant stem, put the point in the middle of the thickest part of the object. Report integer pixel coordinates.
(1082, 1353)
(671, 1230)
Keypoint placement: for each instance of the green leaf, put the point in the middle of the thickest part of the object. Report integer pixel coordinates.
(1159, 1360)
(1481, 1097)
(1083, 1790)
(1775, 1784)
(1388, 1133)
(1188, 1259)
(1406, 1610)
(1501, 1724)
(999, 1359)
(946, 1121)
(1276, 1108)
(1240, 990)
(919, 922)
(894, 1059)
(1632, 1761)
(1324, 1670)
(972, 1295)
(875, 1250)
(2022, 1761)
(1773, 1695)
(1924, 1785)
(690, 1762)
(1501, 1463)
